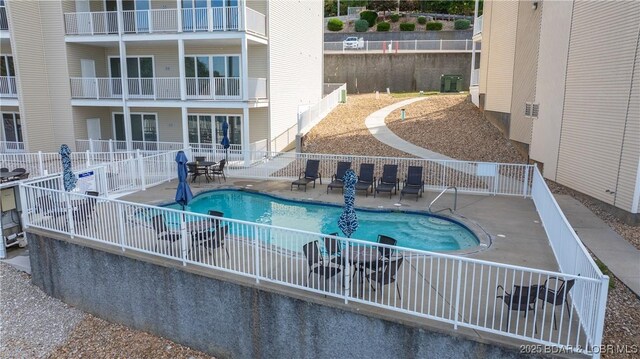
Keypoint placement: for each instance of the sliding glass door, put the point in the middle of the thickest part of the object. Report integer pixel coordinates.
(11, 127)
(198, 74)
(140, 76)
(144, 130)
(213, 76)
(136, 15)
(8, 83)
(195, 15)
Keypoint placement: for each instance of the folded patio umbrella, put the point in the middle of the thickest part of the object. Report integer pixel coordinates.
(183, 193)
(68, 178)
(225, 138)
(348, 221)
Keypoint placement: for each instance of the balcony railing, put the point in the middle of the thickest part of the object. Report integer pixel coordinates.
(165, 21)
(11, 146)
(8, 88)
(477, 25)
(166, 88)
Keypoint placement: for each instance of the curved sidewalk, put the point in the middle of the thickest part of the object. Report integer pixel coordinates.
(379, 130)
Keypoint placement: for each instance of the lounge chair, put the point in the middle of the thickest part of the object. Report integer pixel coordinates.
(215, 239)
(556, 295)
(385, 274)
(384, 251)
(219, 170)
(336, 179)
(162, 231)
(316, 262)
(366, 179)
(522, 299)
(309, 175)
(414, 183)
(389, 181)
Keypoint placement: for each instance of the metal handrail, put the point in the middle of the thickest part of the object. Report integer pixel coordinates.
(455, 200)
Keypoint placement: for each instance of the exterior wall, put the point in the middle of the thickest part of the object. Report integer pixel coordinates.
(486, 49)
(43, 81)
(258, 61)
(295, 60)
(5, 47)
(524, 69)
(258, 124)
(550, 86)
(81, 114)
(500, 57)
(227, 316)
(598, 84)
(399, 72)
(169, 122)
(77, 52)
(165, 58)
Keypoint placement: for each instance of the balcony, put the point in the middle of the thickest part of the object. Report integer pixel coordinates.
(8, 88)
(477, 26)
(166, 21)
(168, 88)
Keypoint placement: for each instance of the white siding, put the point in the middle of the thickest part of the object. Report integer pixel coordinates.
(552, 66)
(165, 58)
(81, 114)
(296, 59)
(77, 52)
(258, 124)
(599, 74)
(502, 43)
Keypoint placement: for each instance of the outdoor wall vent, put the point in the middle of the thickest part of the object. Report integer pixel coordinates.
(531, 109)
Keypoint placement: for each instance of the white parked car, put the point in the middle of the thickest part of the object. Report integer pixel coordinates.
(353, 42)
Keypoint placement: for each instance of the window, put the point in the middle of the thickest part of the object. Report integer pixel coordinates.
(144, 129)
(223, 71)
(235, 129)
(139, 74)
(200, 129)
(11, 127)
(7, 86)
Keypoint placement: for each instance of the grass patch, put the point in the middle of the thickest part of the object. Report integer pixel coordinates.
(605, 270)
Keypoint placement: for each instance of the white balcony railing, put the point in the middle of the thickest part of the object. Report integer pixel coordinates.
(11, 146)
(228, 18)
(257, 88)
(475, 77)
(477, 25)
(166, 88)
(8, 88)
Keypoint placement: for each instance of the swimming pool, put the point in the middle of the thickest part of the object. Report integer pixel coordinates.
(412, 230)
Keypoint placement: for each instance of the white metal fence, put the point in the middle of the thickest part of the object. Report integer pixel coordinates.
(311, 115)
(11, 146)
(113, 146)
(396, 46)
(456, 290)
(477, 25)
(228, 18)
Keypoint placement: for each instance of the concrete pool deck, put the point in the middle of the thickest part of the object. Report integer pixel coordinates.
(515, 229)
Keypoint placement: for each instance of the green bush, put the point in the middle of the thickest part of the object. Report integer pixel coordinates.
(407, 26)
(370, 16)
(335, 25)
(394, 17)
(362, 26)
(383, 26)
(422, 20)
(461, 24)
(434, 25)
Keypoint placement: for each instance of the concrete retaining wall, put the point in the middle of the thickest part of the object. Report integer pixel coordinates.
(226, 318)
(401, 72)
(401, 35)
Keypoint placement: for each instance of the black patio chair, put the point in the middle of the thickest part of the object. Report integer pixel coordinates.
(4, 169)
(389, 181)
(219, 170)
(337, 179)
(316, 262)
(385, 251)
(47, 206)
(162, 231)
(556, 295)
(385, 274)
(83, 213)
(195, 172)
(309, 175)
(332, 246)
(200, 158)
(366, 179)
(414, 184)
(522, 298)
(213, 240)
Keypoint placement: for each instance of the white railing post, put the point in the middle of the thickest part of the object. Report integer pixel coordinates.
(602, 306)
(121, 225)
(256, 255)
(457, 306)
(183, 238)
(87, 155)
(25, 206)
(347, 274)
(416, 45)
(141, 171)
(525, 187)
(97, 88)
(440, 44)
(110, 150)
(91, 145)
(210, 18)
(69, 215)
(40, 164)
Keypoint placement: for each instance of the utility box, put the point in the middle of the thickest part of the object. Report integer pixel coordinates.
(343, 96)
(451, 83)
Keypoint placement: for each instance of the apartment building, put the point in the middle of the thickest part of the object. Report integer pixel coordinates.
(148, 72)
(567, 92)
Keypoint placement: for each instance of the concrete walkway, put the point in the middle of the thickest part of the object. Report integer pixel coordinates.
(622, 258)
(379, 130)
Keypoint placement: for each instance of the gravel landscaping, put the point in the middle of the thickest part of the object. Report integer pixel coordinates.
(34, 325)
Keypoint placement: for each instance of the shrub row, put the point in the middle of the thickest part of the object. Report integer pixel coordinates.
(434, 26)
(461, 24)
(407, 26)
(370, 16)
(362, 25)
(335, 25)
(383, 26)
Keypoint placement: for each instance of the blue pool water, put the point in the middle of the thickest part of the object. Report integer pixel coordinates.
(412, 230)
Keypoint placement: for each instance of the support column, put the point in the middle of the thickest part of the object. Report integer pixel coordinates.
(183, 81)
(245, 137)
(179, 9)
(473, 61)
(185, 127)
(244, 73)
(123, 77)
